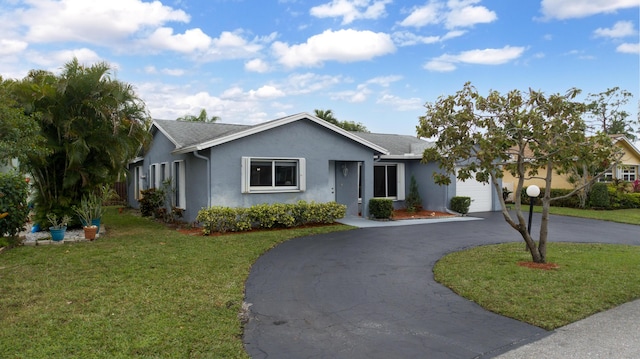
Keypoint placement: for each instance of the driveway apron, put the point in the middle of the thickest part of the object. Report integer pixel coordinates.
(370, 293)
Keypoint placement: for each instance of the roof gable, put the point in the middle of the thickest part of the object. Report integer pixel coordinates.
(188, 138)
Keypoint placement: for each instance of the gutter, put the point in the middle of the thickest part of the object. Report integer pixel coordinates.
(197, 155)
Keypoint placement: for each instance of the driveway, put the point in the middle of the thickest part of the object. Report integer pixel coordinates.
(370, 292)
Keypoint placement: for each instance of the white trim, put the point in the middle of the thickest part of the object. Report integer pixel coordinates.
(245, 176)
(277, 123)
(159, 128)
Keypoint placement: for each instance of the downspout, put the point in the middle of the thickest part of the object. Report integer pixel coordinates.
(197, 155)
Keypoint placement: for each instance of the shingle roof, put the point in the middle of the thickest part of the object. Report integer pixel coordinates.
(184, 134)
(397, 145)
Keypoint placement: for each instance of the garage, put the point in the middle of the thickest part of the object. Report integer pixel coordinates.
(480, 193)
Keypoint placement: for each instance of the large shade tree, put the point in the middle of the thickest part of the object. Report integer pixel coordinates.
(93, 125)
(531, 135)
(19, 133)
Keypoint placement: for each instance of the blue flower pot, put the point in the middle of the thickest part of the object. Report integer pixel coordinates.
(57, 234)
(96, 222)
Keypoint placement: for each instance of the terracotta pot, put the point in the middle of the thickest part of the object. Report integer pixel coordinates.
(90, 232)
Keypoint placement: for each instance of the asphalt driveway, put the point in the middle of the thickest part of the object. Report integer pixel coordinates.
(370, 292)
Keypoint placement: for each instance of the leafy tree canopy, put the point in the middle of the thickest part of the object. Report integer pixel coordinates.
(529, 134)
(327, 115)
(202, 117)
(607, 115)
(92, 125)
(19, 133)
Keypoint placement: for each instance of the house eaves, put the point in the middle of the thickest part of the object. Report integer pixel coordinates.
(277, 123)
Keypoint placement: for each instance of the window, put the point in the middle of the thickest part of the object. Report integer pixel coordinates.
(388, 181)
(153, 175)
(628, 173)
(137, 182)
(179, 184)
(606, 177)
(273, 175)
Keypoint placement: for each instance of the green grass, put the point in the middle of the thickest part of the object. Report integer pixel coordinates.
(590, 278)
(629, 216)
(142, 291)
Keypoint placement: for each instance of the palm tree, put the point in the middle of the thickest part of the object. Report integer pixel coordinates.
(326, 115)
(202, 117)
(93, 125)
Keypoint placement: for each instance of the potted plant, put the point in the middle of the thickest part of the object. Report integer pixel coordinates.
(85, 213)
(58, 227)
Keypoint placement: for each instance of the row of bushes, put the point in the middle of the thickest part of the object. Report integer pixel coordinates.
(601, 196)
(279, 215)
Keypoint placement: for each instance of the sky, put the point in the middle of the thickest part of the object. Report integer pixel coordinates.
(376, 62)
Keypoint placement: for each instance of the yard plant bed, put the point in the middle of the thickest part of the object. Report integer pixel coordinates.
(400, 214)
(143, 290)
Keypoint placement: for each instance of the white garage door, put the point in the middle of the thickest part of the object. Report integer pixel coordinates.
(480, 194)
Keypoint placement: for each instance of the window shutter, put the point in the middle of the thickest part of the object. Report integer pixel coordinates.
(400, 170)
(245, 172)
(302, 174)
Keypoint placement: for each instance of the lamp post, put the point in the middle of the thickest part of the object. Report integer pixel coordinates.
(533, 191)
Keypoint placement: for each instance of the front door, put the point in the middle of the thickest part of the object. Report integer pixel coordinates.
(345, 184)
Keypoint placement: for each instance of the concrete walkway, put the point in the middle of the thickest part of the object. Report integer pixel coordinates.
(370, 293)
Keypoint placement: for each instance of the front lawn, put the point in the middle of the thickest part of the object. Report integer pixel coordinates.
(142, 291)
(590, 278)
(629, 216)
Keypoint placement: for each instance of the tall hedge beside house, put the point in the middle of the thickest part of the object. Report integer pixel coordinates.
(599, 196)
(460, 204)
(14, 209)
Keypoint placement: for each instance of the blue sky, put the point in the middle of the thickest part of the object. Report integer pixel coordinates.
(371, 61)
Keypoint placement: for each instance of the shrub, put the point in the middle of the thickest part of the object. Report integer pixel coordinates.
(599, 196)
(460, 204)
(14, 209)
(413, 202)
(152, 202)
(381, 208)
(227, 219)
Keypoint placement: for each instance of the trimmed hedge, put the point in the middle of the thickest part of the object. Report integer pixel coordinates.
(460, 204)
(278, 215)
(381, 208)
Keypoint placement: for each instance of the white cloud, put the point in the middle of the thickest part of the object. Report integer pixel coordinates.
(401, 104)
(266, 92)
(567, 9)
(256, 65)
(342, 45)
(232, 45)
(455, 14)
(98, 22)
(350, 10)
(619, 29)
(406, 38)
(173, 72)
(464, 14)
(447, 62)
(54, 60)
(384, 81)
(628, 48)
(164, 39)
(429, 14)
(300, 84)
(12, 47)
(352, 96)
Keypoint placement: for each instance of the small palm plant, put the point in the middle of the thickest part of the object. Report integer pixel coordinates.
(58, 224)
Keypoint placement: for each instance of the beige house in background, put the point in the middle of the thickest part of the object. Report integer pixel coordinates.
(627, 170)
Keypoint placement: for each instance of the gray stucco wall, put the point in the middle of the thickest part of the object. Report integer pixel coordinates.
(300, 139)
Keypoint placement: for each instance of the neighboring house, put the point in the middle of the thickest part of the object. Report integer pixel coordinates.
(298, 157)
(628, 169)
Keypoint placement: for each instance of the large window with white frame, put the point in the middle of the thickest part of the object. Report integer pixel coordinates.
(178, 182)
(261, 175)
(388, 181)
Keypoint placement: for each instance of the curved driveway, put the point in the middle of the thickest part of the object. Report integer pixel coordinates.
(370, 292)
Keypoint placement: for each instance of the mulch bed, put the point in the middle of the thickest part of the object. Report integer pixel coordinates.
(543, 266)
(422, 214)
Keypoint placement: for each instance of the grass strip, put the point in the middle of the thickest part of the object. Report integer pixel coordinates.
(590, 278)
